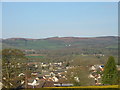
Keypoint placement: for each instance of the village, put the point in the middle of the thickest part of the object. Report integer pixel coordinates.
(53, 75)
(33, 73)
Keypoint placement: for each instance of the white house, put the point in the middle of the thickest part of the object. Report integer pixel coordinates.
(55, 79)
(21, 74)
(34, 83)
(76, 79)
(1, 86)
(90, 76)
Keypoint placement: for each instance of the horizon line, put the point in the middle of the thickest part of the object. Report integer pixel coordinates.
(62, 37)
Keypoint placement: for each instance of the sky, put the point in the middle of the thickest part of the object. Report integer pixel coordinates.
(0, 20)
(63, 19)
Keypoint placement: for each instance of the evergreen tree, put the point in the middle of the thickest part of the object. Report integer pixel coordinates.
(110, 73)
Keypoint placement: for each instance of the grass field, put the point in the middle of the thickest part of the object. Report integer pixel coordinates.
(35, 56)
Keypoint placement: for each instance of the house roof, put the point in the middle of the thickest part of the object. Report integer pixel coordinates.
(94, 73)
(48, 84)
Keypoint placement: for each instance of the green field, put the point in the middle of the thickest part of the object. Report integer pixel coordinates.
(35, 56)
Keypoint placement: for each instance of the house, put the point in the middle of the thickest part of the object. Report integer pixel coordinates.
(55, 79)
(118, 67)
(101, 68)
(97, 68)
(76, 79)
(52, 74)
(22, 82)
(92, 68)
(60, 63)
(99, 55)
(44, 65)
(33, 82)
(21, 74)
(36, 66)
(90, 76)
(57, 71)
(1, 85)
(63, 85)
(48, 84)
(94, 73)
(99, 76)
(34, 73)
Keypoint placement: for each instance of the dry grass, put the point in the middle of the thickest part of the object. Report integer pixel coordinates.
(79, 88)
(109, 86)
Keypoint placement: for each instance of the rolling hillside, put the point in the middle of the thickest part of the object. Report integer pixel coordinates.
(61, 42)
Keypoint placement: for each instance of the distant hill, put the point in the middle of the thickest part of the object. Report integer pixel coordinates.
(61, 42)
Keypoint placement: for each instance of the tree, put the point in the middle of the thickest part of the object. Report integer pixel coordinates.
(78, 76)
(11, 67)
(110, 73)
